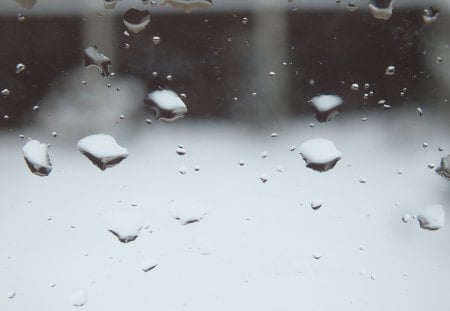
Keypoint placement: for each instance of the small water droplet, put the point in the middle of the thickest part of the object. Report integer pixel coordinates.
(182, 170)
(366, 86)
(187, 211)
(156, 39)
(316, 204)
(54, 134)
(274, 135)
(102, 150)
(126, 45)
(241, 163)
(431, 165)
(35, 108)
(148, 121)
(292, 148)
(438, 60)
(136, 20)
(355, 86)
(264, 178)
(406, 218)
(362, 180)
(148, 265)
(78, 298)
(364, 119)
(419, 111)
(244, 20)
(121, 117)
(180, 150)
(5, 92)
(6, 117)
(264, 154)
(317, 255)
(444, 167)
(425, 144)
(197, 168)
(390, 70)
(11, 294)
(272, 73)
(169, 77)
(440, 148)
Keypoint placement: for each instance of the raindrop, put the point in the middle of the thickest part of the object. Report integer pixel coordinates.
(26, 4)
(148, 121)
(126, 45)
(93, 57)
(109, 4)
(390, 70)
(264, 154)
(169, 77)
(121, 117)
(244, 20)
(166, 105)
(154, 74)
(366, 86)
(180, 150)
(311, 124)
(326, 107)
(362, 180)
(444, 168)
(430, 15)
(272, 73)
(274, 135)
(320, 154)
(317, 255)
(187, 211)
(432, 217)
(78, 298)
(136, 20)
(102, 150)
(440, 148)
(241, 163)
(20, 17)
(316, 204)
(6, 117)
(264, 178)
(5, 92)
(125, 224)
(431, 165)
(419, 111)
(352, 7)
(366, 96)
(182, 170)
(21, 136)
(35, 108)
(355, 86)
(36, 156)
(381, 9)
(197, 168)
(438, 60)
(425, 144)
(148, 265)
(364, 119)
(292, 148)
(54, 134)
(406, 218)
(188, 5)
(156, 39)
(11, 294)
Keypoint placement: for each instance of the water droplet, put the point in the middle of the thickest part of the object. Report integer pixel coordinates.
(188, 5)
(440, 148)
(320, 154)
(166, 105)
(432, 217)
(102, 150)
(317, 255)
(292, 148)
(78, 298)
(125, 224)
(187, 211)
(311, 124)
(36, 156)
(148, 265)
(35, 108)
(352, 7)
(381, 9)
(5, 92)
(406, 218)
(26, 4)
(316, 204)
(197, 168)
(182, 170)
(6, 117)
(390, 70)
(272, 73)
(438, 60)
(264, 178)
(180, 150)
(21, 136)
(264, 154)
(126, 45)
(274, 135)
(444, 168)
(326, 107)
(136, 20)
(244, 20)
(372, 277)
(169, 77)
(241, 163)
(156, 39)
(109, 4)
(93, 57)
(362, 180)
(148, 121)
(430, 15)
(54, 134)
(431, 165)
(366, 86)
(366, 96)
(11, 294)
(121, 117)
(364, 119)
(425, 144)
(355, 86)
(154, 74)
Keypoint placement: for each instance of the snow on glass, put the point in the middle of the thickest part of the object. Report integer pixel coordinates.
(187, 211)
(320, 154)
(36, 156)
(125, 224)
(94, 58)
(136, 20)
(326, 107)
(102, 150)
(166, 105)
(432, 217)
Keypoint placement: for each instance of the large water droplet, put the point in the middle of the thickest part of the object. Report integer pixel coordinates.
(102, 150)
(37, 158)
(94, 58)
(430, 15)
(156, 39)
(320, 154)
(78, 298)
(20, 67)
(166, 105)
(381, 9)
(180, 150)
(187, 211)
(5, 92)
(188, 5)
(125, 224)
(432, 217)
(316, 204)
(136, 20)
(390, 70)
(444, 167)
(26, 4)
(326, 106)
